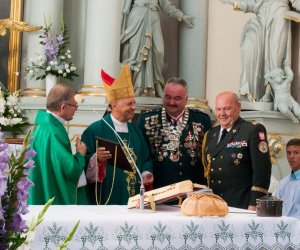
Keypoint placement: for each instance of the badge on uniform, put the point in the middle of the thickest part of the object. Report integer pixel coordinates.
(263, 147)
(237, 144)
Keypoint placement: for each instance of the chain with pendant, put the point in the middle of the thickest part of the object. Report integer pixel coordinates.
(172, 136)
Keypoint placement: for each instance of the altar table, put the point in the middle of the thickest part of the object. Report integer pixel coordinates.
(116, 227)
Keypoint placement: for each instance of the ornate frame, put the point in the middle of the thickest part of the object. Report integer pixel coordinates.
(14, 55)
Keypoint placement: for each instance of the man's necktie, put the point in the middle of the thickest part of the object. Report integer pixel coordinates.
(224, 133)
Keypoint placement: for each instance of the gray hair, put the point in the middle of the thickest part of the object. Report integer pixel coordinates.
(58, 95)
(179, 81)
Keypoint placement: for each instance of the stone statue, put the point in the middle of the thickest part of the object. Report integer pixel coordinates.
(280, 81)
(265, 42)
(142, 45)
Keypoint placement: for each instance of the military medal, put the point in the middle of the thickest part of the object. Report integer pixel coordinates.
(171, 146)
(160, 157)
(174, 157)
(263, 147)
(172, 135)
(236, 162)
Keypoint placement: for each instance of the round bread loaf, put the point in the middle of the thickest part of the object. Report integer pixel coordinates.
(204, 204)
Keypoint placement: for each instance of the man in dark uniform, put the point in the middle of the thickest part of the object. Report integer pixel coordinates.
(174, 135)
(236, 156)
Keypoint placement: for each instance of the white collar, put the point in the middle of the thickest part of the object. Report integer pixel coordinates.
(60, 119)
(119, 126)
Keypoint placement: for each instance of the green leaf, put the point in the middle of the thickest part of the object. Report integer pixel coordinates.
(65, 243)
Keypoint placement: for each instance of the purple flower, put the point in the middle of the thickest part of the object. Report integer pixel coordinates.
(29, 164)
(3, 166)
(51, 48)
(3, 146)
(3, 184)
(3, 156)
(23, 193)
(60, 39)
(18, 224)
(30, 153)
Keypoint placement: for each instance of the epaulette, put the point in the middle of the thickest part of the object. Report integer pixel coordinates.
(253, 122)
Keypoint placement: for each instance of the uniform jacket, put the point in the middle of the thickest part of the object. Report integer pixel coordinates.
(171, 166)
(240, 166)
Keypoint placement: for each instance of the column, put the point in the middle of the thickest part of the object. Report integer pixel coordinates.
(34, 13)
(192, 49)
(102, 48)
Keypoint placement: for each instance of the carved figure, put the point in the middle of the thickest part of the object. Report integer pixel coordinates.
(16, 25)
(142, 45)
(280, 80)
(265, 42)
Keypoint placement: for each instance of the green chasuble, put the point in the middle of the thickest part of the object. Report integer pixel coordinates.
(57, 171)
(117, 188)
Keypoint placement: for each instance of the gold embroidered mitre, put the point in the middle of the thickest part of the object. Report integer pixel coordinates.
(119, 88)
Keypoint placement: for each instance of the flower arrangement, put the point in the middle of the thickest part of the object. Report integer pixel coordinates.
(56, 57)
(14, 192)
(11, 115)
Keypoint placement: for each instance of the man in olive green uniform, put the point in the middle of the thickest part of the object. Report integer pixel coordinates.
(114, 184)
(57, 171)
(236, 156)
(174, 135)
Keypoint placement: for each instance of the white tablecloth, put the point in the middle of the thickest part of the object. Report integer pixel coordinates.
(116, 227)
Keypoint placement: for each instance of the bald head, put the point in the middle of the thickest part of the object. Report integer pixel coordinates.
(61, 93)
(228, 109)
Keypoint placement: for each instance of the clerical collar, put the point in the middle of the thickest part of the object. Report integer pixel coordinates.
(119, 126)
(295, 175)
(62, 120)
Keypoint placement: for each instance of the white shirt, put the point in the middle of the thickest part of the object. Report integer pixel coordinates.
(119, 126)
(62, 120)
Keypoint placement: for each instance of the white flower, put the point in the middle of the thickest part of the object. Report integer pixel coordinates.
(73, 68)
(12, 100)
(64, 74)
(51, 63)
(4, 121)
(68, 51)
(60, 71)
(63, 57)
(48, 68)
(2, 105)
(69, 56)
(68, 70)
(66, 66)
(15, 121)
(30, 72)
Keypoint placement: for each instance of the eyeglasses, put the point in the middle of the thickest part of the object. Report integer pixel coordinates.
(73, 105)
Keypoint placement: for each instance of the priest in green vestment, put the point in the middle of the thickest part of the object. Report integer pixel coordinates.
(110, 184)
(57, 171)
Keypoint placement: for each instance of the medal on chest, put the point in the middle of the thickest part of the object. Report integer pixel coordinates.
(170, 147)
